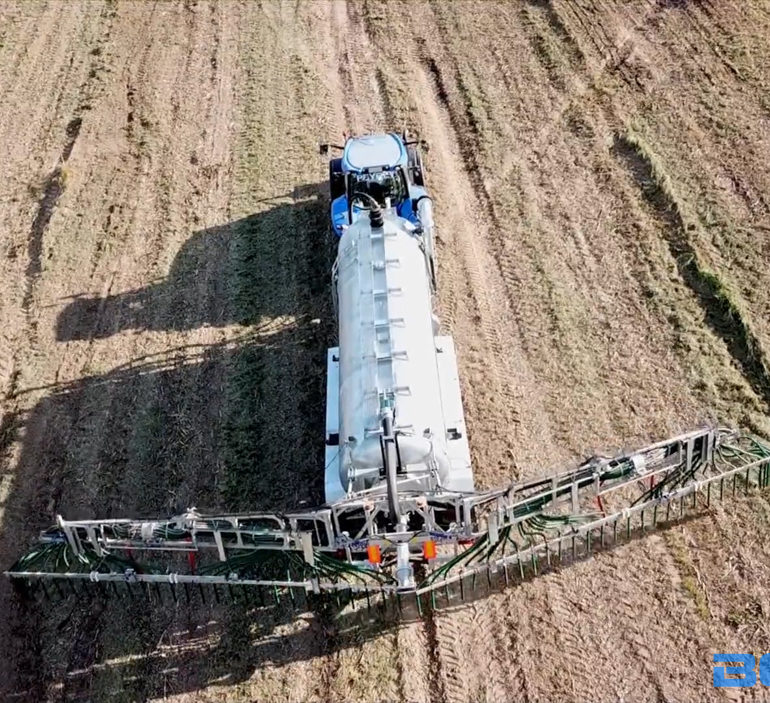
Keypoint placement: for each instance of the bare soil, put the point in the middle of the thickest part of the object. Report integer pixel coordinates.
(600, 176)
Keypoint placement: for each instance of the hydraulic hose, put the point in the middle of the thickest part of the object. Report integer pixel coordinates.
(391, 466)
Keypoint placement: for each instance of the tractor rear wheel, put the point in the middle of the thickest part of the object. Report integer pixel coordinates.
(336, 179)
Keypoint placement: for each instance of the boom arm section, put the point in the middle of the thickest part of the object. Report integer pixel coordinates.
(508, 533)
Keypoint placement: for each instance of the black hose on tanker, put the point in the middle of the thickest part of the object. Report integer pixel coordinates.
(391, 465)
(376, 219)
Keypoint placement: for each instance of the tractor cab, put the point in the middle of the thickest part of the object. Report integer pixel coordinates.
(384, 167)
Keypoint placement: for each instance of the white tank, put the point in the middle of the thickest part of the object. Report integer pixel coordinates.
(389, 356)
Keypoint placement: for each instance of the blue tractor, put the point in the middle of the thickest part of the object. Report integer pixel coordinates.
(383, 171)
(385, 167)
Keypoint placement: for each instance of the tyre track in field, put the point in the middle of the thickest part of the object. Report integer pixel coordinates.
(362, 99)
(732, 584)
(540, 288)
(575, 82)
(539, 20)
(572, 649)
(520, 176)
(692, 15)
(452, 655)
(554, 631)
(176, 150)
(33, 31)
(655, 18)
(689, 37)
(497, 674)
(102, 61)
(510, 625)
(467, 660)
(451, 91)
(344, 78)
(468, 235)
(616, 49)
(687, 637)
(634, 650)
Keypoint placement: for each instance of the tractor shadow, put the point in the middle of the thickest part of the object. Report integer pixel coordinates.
(259, 253)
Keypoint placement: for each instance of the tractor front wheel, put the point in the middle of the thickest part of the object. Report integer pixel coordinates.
(336, 179)
(415, 166)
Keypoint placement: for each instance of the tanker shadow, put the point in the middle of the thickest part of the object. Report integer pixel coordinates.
(97, 646)
(231, 426)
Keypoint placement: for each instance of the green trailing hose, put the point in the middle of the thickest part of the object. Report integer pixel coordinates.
(482, 550)
(266, 565)
(58, 557)
(538, 526)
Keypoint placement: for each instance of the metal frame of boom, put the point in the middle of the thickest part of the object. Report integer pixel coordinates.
(500, 532)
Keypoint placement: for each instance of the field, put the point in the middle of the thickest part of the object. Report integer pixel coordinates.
(602, 193)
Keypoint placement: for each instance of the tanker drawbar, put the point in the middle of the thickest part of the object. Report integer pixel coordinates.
(402, 515)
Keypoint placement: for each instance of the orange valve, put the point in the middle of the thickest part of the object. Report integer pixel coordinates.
(373, 554)
(429, 549)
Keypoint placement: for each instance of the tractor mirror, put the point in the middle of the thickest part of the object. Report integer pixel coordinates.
(323, 149)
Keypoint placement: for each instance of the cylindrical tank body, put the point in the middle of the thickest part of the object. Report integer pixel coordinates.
(387, 355)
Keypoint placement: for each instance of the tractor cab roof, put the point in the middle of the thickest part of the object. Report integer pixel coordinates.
(373, 152)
